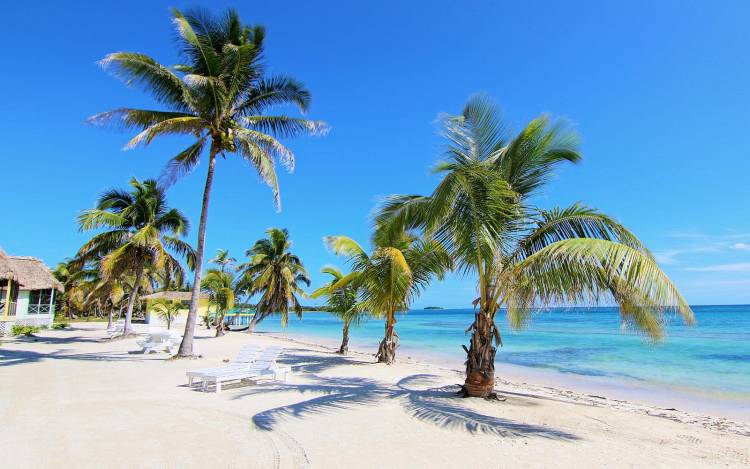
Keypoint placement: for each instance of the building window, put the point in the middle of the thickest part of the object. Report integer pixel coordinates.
(39, 301)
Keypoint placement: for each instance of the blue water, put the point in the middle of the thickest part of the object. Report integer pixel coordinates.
(712, 357)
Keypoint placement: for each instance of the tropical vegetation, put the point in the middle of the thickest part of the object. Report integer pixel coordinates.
(390, 278)
(141, 234)
(481, 220)
(223, 260)
(219, 95)
(482, 212)
(221, 290)
(167, 310)
(341, 302)
(276, 274)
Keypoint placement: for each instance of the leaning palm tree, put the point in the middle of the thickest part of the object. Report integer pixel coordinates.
(140, 230)
(523, 256)
(220, 96)
(390, 278)
(221, 294)
(275, 274)
(222, 259)
(341, 302)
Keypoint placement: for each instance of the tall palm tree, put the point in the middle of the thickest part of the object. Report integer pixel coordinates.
(222, 259)
(390, 278)
(523, 256)
(140, 230)
(276, 274)
(341, 302)
(220, 96)
(221, 294)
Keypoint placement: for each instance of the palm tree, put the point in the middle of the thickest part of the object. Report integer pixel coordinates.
(221, 294)
(140, 230)
(341, 302)
(524, 256)
(222, 259)
(167, 310)
(276, 274)
(108, 292)
(220, 96)
(391, 278)
(76, 277)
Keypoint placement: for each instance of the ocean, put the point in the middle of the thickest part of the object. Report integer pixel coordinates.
(704, 367)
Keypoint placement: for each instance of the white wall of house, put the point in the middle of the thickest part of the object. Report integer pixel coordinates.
(22, 312)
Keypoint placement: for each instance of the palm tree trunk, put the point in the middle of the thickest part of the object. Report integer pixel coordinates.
(257, 317)
(344, 339)
(109, 318)
(220, 326)
(387, 350)
(480, 363)
(186, 346)
(128, 329)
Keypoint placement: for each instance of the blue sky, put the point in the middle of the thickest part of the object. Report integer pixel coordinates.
(659, 92)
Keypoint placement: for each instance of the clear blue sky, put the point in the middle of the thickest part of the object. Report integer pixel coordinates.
(659, 91)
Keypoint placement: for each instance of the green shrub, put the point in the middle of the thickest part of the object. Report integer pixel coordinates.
(60, 325)
(28, 331)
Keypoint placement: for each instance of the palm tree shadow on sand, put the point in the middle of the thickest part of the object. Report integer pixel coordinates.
(436, 405)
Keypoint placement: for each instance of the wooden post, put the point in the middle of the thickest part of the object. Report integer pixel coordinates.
(7, 298)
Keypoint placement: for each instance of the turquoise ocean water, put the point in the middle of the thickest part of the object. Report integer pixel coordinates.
(710, 359)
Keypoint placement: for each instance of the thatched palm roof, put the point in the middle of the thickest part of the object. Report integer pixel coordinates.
(5, 269)
(32, 274)
(171, 295)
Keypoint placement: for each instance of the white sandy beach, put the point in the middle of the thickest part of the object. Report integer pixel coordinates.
(74, 399)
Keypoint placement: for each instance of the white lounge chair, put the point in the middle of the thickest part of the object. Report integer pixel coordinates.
(264, 366)
(245, 357)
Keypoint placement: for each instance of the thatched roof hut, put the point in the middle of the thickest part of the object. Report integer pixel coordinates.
(31, 273)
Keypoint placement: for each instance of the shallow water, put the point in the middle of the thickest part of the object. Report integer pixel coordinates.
(710, 359)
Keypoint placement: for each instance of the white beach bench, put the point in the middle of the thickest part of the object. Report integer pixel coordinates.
(245, 357)
(264, 366)
(117, 329)
(158, 339)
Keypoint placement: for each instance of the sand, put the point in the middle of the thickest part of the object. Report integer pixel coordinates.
(74, 399)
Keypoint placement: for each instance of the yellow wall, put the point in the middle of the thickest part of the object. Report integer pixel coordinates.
(154, 316)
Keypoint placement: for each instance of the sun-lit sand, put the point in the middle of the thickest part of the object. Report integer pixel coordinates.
(74, 399)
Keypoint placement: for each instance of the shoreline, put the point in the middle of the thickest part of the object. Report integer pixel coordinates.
(522, 382)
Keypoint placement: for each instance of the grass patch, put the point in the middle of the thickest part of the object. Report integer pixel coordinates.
(27, 331)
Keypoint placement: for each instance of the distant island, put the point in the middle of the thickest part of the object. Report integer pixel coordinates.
(434, 307)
